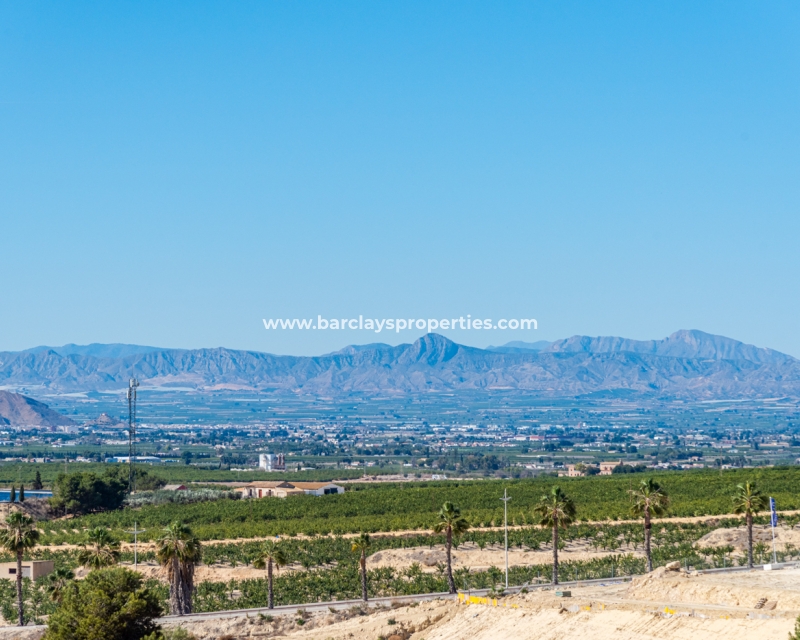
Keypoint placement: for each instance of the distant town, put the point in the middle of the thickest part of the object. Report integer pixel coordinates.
(416, 437)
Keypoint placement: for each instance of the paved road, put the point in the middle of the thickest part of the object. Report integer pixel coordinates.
(338, 605)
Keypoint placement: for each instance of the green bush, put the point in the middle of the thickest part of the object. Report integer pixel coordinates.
(87, 492)
(796, 634)
(109, 603)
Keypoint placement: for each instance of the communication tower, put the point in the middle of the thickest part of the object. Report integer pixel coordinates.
(132, 386)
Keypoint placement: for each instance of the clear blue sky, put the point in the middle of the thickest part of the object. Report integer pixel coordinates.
(172, 173)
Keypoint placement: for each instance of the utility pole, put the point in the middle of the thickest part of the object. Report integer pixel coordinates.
(774, 522)
(132, 385)
(505, 500)
(136, 531)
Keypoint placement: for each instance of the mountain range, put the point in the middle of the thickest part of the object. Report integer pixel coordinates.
(687, 364)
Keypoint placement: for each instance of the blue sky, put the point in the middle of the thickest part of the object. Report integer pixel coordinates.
(172, 173)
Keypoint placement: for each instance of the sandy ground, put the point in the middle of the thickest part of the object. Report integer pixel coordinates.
(737, 538)
(205, 573)
(780, 589)
(470, 555)
(663, 606)
(467, 555)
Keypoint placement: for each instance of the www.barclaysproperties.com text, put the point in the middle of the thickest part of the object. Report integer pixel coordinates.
(399, 324)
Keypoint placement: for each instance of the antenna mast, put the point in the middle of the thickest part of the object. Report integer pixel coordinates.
(134, 383)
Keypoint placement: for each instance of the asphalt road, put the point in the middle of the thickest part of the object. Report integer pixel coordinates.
(338, 605)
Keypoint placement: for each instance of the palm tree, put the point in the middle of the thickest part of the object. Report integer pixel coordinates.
(360, 546)
(58, 582)
(649, 500)
(178, 551)
(451, 524)
(100, 550)
(270, 554)
(749, 501)
(555, 509)
(19, 535)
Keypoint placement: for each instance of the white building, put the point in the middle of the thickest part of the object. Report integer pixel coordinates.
(272, 462)
(140, 459)
(283, 489)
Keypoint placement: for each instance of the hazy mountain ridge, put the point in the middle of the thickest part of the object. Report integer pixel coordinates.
(681, 344)
(688, 364)
(518, 346)
(97, 350)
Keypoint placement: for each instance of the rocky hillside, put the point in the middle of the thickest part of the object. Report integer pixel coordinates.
(20, 411)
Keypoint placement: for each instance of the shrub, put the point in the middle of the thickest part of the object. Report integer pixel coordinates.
(796, 634)
(109, 603)
(86, 492)
(178, 633)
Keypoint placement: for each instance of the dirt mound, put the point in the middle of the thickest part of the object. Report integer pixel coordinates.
(36, 508)
(203, 573)
(17, 633)
(406, 557)
(405, 623)
(470, 555)
(739, 590)
(737, 538)
(539, 616)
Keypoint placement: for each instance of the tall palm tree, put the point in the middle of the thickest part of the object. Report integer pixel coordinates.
(649, 500)
(451, 524)
(749, 501)
(19, 535)
(361, 545)
(555, 509)
(179, 551)
(100, 549)
(270, 554)
(58, 582)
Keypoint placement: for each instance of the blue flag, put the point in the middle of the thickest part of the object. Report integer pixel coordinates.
(774, 512)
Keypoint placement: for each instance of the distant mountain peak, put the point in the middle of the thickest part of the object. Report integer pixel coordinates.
(431, 349)
(21, 411)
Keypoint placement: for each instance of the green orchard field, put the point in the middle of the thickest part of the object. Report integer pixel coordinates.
(412, 506)
(24, 473)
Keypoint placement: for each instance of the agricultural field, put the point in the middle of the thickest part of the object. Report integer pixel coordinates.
(386, 507)
(316, 535)
(324, 568)
(24, 473)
